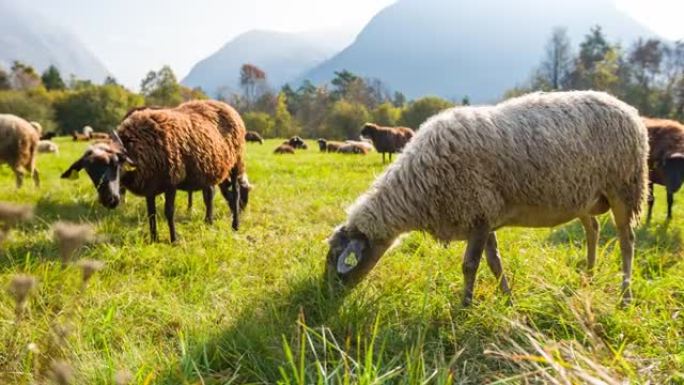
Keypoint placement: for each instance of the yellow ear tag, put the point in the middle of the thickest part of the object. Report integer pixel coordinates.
(127, 167)
(73, 175)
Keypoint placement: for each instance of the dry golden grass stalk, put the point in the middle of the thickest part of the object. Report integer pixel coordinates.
(70, 237)
(62, 373)
(20, 287)
(11, 214)
(90, 267)
(123, 377)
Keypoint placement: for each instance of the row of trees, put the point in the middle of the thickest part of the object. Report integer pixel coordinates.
(335, 110)
(66, 106)
(649, 74)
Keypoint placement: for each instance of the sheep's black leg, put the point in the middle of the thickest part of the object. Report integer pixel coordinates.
(232, 196)
(189, 201)
(651, 201)
(390, 156)
(494, 262)
(471, 261)
(152, 218)
(236, 198)
(670, 202)
(383, 158)
(169, 210)
(208, 195)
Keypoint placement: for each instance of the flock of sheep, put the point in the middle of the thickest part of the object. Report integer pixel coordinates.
(539, 160)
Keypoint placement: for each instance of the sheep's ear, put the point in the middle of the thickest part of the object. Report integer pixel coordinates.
(72, 171)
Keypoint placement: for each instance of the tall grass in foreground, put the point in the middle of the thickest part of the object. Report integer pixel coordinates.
(251, 308)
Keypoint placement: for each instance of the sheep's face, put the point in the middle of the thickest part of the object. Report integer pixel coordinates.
(352, 255)
(297, 142)
(674, 171)
(104, 166)
(368, 130)
(322, 144)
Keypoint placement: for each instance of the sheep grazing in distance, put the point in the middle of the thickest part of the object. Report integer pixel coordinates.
(18, 147)
(194, 146)
(666, 159)
(78, 137)
(99, 136)
(387, 139)
(46, 146)
(539, 160)
(329, 145)
(48, 135)
(296, 142)
(284, 149)
(361, 143)
(253, 136)
(92, 135)
(352, 149)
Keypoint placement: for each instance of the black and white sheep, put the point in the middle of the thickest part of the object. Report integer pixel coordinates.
(539, 160)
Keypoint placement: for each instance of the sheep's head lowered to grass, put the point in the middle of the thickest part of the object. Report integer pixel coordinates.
(104, 163)
(352, 255)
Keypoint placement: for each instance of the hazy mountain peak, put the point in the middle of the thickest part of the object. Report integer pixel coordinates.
(473, 48)
(282, 55)
(33, 39)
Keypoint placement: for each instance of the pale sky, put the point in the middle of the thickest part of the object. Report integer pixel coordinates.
(133, 36)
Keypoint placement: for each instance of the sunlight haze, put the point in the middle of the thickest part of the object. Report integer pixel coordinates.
(133, 37)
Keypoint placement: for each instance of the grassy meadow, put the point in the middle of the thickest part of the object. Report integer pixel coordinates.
(250, 307)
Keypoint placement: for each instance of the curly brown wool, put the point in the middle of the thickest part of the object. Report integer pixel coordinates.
(194, 146)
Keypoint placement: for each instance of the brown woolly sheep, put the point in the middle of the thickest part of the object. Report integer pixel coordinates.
(194, 146)
(351, 148)
(18, 147)
(387, 139)
(284, 149)
(99, 136)
(666, 159)
(329, 145)
(253, 136)
(78, 137)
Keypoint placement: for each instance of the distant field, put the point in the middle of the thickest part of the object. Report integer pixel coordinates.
(249, 307)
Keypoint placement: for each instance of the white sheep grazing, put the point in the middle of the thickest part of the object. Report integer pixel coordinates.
(361, 143)
(47, 146)
(535, 161)
(18, 147)
(87, 131)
